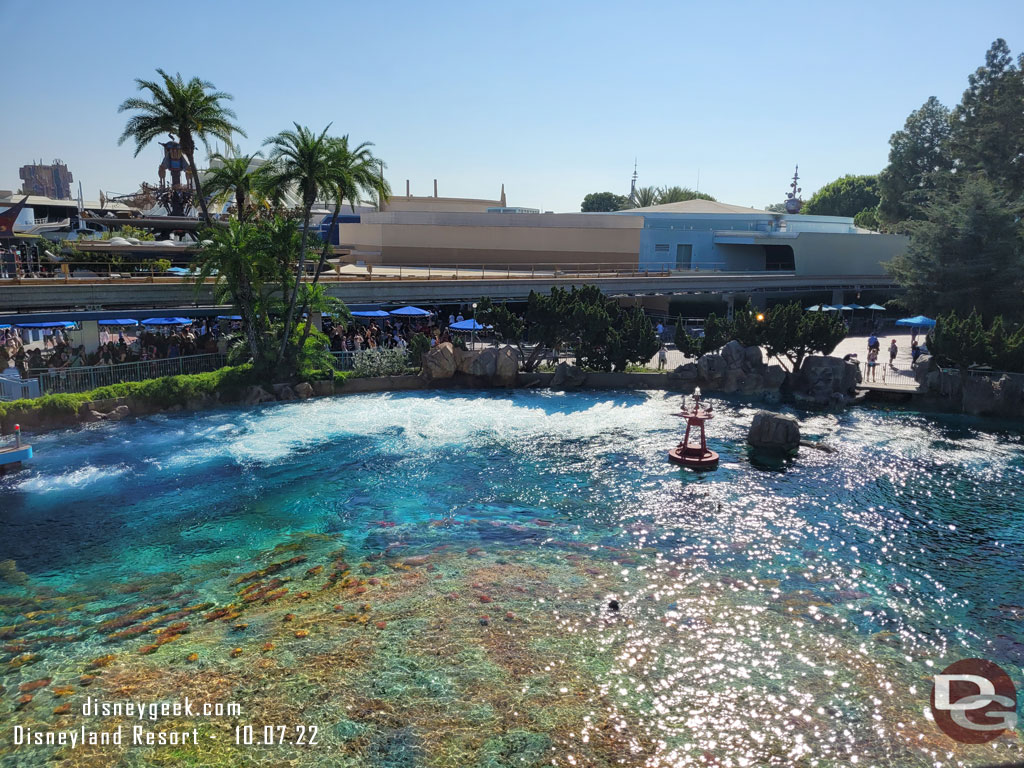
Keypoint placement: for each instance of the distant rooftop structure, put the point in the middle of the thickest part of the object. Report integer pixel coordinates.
(53, 180)
(694, 206)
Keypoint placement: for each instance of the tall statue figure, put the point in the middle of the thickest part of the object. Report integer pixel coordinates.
(175, 162)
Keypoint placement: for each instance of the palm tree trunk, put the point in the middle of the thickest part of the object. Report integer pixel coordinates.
(316, 275)
(191, 155)
(300, 272)
(240, 203)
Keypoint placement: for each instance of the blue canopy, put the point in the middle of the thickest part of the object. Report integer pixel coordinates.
(821, 307)
(229, 317)
(875, 308)
(47, 325)
(410, 312)
(166, 321)
(918, 321)
(468, 325)
(118, 321)
(854, 306)
(4, 327)
(179, 271)
(371, 313)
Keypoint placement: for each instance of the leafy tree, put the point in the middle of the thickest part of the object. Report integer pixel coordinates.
(988, 124)
(677, 194)
(846, 196)
(867, 219)
(960, 342)
(232, 176)
(602, 333)
(507, 325)
(419, 345)
(598, 202)
(717, 333)
(775, 208)
(688, 344)
(966, 254)
(919, 160)
(190, 110)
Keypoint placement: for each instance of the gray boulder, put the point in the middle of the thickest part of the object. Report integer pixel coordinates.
(506, 367)
(303, 390)
(981, 396)
(284, 392)
(323, 388)
(567, 377)
(734, 354)
(483, 363)
(119, 413)
(753, 359)
(255, 395)
(774, 377)
(821, 378)
(711, 369)
(439, 362)
(683, 374)
(774, 432)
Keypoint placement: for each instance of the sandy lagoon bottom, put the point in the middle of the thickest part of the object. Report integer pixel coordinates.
(423, 580)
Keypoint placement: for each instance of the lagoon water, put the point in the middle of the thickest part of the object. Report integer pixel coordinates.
(771, 613)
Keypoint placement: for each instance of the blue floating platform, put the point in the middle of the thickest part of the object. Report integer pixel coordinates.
(11, 458)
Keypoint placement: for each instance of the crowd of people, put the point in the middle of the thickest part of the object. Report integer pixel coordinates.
(390, 335)
(58, 351)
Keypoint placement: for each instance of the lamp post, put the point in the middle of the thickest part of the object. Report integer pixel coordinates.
(473, 333)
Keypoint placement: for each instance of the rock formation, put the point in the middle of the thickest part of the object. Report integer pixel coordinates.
(774, 432)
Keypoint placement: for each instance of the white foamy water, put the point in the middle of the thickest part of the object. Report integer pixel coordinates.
(75, 479)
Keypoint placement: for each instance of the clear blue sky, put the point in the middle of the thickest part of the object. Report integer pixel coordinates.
(552, 98)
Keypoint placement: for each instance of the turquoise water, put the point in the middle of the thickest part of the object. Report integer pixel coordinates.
(772, 612)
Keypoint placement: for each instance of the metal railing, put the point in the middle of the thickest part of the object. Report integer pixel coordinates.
(84, 378)
(148, 271)
(345, 361)
(16, 388)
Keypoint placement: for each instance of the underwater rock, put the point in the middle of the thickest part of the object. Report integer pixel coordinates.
(63, 709)
(35, 685)
(485, 620)
(10, 573)
(288, 617)
(510, 616)
(380, 624)
(302, 633)
(314, 571)
(192, 657)
(102, 661)
(236, 652)
(63, 690)
(86, 680)
(23, 701)
(23, 660)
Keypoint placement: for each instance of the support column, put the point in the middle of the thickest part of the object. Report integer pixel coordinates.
(838, 296)
(730, 304)
(318, 320)
(90, 335)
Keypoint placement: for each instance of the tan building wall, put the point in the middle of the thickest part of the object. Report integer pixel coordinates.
(821, 253)
(495, 239)
(440, 204)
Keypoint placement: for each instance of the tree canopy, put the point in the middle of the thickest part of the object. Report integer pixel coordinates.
(602, 202)
(846, 196)
(966, 254)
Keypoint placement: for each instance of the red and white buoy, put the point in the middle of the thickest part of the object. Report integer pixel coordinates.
(694, 455)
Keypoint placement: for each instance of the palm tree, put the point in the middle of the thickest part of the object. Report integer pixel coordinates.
(645, 196)
(232, 253)
(232, 175)
(353, 172)
(677, 194)
(301, 159)
(190, 110)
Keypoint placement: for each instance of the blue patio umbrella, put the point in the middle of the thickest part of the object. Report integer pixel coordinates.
(371, 313)
(468, 325)
(229, 317)
(854, 306)
(4, 327)
(410, 312)
(166, 321)
(117, 321)
(47, 325)
(821, 308)
(875, 308)
(918, 321)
